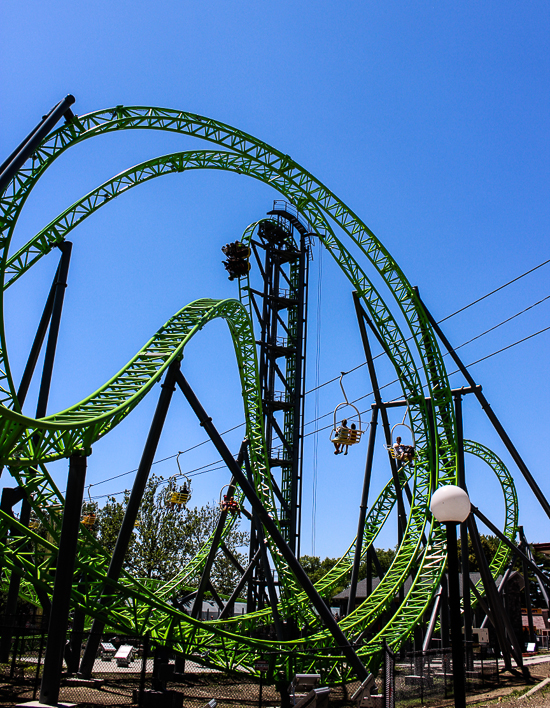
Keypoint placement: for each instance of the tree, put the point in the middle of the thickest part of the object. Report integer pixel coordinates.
(489, 544)
(385, 558)
(316, 568)
(167, 536)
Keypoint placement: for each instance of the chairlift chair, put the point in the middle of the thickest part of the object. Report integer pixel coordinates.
(179, 498)
(90, 518)
(349, 436)
(409, 450)
(229, 504)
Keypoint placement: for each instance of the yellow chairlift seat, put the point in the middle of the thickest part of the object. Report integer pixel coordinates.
(339, 435)
(89, 519)
(183, 495)
(180, 498)
(404, 457)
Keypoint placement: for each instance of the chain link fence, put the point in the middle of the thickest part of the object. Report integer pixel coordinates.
(426, 677)
(132, 671)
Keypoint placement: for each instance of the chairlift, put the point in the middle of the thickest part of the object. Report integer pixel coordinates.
(179, 498)
(229, 503)
(398, 450)
(90, 518)
(342, 435)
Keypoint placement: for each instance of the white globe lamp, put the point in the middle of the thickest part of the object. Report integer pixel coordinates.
(450, 504)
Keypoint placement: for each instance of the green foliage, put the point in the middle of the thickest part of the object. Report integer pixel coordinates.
(109, 521)
(385, 558)
(489, 545)
(317, 568)
(168, 536)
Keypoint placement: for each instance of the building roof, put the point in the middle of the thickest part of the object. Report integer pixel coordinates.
(542, 548)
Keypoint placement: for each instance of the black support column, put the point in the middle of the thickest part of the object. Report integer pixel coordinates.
(466, 604)
(362, 317)
(362, 516)
(59, 296)
(59, 616)
(459, 682)
(22, 152)
(52, 316)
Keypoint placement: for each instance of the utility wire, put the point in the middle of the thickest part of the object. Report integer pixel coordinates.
(494, 291)
(336, 378)
(201, 470)
(192, 473)
(170, 457)
(519, 277)
(452, 373)
(505, 348)
(491, 329)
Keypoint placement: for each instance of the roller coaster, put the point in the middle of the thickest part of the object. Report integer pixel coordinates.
(294, 628)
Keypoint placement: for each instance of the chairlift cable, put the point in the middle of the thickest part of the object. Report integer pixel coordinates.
(452, 373)
(496, 290)
(319, 386)
(317, 430)
(325, 383)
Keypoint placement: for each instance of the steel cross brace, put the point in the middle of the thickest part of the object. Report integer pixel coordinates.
(271, 528)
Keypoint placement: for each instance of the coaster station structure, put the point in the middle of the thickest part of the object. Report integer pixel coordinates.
(287, 620)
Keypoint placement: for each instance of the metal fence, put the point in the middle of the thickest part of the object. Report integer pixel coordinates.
(426, 677)
(140, 674)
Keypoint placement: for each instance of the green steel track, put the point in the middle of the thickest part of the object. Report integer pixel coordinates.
(26, 444)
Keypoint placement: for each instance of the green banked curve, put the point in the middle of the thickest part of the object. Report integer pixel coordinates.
(27, 444)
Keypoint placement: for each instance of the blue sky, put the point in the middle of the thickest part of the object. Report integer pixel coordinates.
(430, 120)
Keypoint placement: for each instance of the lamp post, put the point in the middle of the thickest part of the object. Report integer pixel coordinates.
(451, 506)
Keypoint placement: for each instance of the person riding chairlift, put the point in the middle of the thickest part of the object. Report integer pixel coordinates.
(351, 438)
(231, 505)
(339, 441)
(403, 453)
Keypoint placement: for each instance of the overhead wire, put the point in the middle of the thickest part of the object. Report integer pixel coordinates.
(452, 373)
(201, 470)
(355, 368)
(482, 334)
(192, 473)
(474, 302)
(170, 457)
(496, 290)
